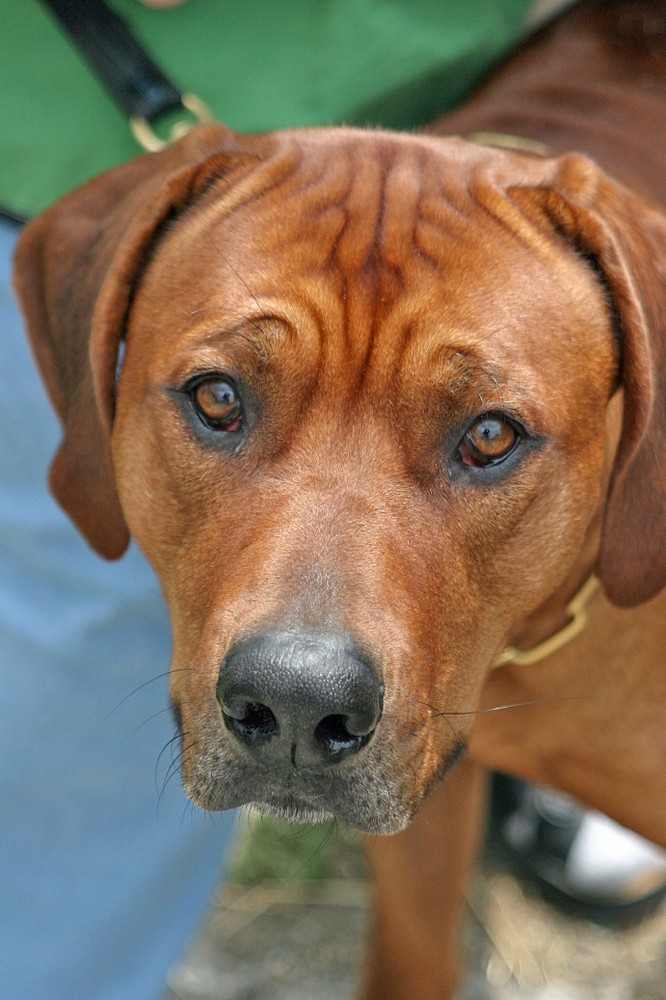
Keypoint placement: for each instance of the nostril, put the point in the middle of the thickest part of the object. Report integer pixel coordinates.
(254, 723)
(310, 700)
(336, 740)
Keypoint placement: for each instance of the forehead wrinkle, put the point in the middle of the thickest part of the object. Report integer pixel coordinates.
(493, 386)
(357, 238)
(461, 376)
(386, 264)
(465, 367)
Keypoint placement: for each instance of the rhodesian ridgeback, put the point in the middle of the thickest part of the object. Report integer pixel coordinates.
(384, 404)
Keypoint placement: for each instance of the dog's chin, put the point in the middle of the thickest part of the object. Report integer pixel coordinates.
(365, 815)
(292, 811)
(359, 818)
(371, 799)
(369, 809)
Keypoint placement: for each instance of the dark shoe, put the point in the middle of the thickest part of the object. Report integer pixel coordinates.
(583, 855)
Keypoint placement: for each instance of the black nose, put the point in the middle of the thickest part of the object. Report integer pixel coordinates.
(310, 700)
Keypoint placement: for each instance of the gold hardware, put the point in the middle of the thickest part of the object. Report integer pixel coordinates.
(577, 611)
(516, 143)
(147, 137)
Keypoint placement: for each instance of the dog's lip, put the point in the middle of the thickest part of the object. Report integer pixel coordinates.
(354, 812)
(368, 799)
(293, 810)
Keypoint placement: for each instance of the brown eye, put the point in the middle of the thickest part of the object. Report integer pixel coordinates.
(217, 403)
(488, 441)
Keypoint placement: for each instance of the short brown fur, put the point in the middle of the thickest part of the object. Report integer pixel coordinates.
(374, 293)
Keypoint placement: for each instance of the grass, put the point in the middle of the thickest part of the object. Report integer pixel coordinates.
(269, 849)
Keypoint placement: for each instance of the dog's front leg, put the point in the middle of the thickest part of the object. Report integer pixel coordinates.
(418, 881)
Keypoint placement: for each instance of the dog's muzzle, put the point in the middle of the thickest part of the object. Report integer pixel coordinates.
(303, 730)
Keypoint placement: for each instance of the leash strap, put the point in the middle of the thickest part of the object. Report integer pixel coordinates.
(134, 81)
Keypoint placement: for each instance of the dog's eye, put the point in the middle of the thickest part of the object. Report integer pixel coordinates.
(217, 404)
(491, 438)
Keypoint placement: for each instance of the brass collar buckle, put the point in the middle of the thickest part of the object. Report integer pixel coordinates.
(145, 134)
(514, 143)
(577, 612)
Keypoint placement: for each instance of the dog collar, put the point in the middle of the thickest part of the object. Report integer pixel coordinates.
(515, 143)
(577, 613)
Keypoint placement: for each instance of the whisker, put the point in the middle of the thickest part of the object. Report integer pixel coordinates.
(512, 705)
(172, 771)
(152, 680)
(167, 710)
(167, 746)
(136, 690)
(237, 273)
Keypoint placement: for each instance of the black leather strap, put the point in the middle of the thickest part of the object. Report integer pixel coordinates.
(126, 70)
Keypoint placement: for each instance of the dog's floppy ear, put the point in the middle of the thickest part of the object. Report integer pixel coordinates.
(75, 269)
(626, 240)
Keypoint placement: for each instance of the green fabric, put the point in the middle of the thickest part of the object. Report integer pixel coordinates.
(258, 64)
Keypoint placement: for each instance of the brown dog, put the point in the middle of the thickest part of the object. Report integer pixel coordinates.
(386, 402)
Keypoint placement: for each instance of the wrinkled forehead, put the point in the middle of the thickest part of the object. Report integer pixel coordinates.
(355, 203)
(361, 234)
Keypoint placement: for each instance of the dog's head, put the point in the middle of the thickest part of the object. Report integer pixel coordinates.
(349, 393)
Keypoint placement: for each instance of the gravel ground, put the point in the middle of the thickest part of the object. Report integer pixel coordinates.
(291, 936)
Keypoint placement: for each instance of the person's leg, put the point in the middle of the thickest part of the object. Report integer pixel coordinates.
(105, 869)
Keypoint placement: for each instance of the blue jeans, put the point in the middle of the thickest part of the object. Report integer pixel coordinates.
(105, 870)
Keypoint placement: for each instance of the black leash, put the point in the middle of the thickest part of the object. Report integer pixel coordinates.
(132, 78)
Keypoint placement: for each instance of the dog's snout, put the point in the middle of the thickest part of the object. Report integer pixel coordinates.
(310, 701)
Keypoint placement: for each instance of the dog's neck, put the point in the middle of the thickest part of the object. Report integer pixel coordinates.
(576, 619)
(563, 615)
(575, 86)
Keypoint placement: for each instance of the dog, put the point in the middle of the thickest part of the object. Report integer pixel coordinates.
(377, 407)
